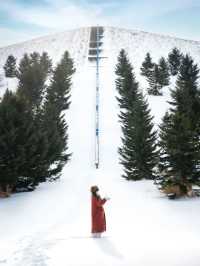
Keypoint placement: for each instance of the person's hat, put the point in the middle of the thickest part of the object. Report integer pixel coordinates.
(94, 189)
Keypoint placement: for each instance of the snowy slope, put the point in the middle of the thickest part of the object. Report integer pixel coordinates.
(136, 43)
(75, 41)
(51, 226)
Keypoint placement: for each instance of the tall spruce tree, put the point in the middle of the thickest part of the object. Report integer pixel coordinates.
(164, 72)
(55, 126)
(46, 63)
(58, 92)
(32, 74)
(126, 84)
(180, 135)
(137, 153)
(154, 81)
(18, 150)
(10, 67)
(8, 160)
(33, 132)
(174, 60)
(147, 66)
(185, 98)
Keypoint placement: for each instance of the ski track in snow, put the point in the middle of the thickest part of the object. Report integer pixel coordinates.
(51, 226)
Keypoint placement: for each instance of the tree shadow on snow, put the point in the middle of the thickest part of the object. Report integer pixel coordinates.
(108, 247)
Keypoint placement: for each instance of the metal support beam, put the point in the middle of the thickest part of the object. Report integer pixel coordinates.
(94, 55)
(97, 102)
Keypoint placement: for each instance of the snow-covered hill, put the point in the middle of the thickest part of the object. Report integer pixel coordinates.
(75, 41)
(51, 226)
(136, 43)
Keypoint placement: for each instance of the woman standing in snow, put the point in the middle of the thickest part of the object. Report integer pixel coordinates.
(98, 214)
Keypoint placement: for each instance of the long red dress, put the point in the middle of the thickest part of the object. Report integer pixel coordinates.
(98, 215)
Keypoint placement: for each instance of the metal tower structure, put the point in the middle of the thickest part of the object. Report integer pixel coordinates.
(94, 55)
(97, 105)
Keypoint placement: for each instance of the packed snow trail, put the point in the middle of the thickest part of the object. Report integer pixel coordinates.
(51, 226)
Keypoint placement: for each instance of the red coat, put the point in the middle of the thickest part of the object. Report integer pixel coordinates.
(98, 215)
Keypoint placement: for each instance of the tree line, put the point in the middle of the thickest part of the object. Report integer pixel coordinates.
(172, 153)
(158, 75)
(33, 130)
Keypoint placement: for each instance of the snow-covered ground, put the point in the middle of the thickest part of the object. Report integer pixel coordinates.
(51, 226)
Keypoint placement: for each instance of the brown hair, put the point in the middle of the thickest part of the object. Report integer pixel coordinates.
(93, 190)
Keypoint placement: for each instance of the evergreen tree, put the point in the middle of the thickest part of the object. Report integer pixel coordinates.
(125, 83)
(174, 60)
(46, 63)
(137, 154)
(154, 81)
(10, 67)
(147, 66)
(33, 132)
(185, 98)
(8, 171)
(32, 74)
(164, 72)
(55, 126)
(58, 92)
(180, 135)
(17, 157)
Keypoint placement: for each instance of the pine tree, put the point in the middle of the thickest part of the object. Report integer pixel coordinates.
(125, 83)
(174, 60)
(8, 174)
(16, 142)
(46, 63)
(143, 141)
(154, 81)
(55, 126)
(127, 88)
(10, 67)
(185, 98)
(137, 153)
(180, 135)
(33, 132)
(59, 90)
(147, 66)
(32, 74)
(164, 72)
